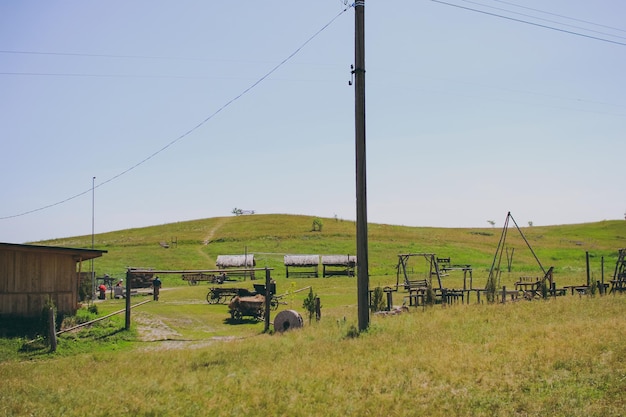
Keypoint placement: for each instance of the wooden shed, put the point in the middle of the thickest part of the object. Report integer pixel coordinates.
(235, 261)
(30, 275)
(237, 265)
(338, 265)
(306, 265)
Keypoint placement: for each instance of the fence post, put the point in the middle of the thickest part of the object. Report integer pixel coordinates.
(268, 299)
(128, 289)
(503, 294)
(318, 309)
(587, 263)
(602, 273)
(52, 329)
(389, 300)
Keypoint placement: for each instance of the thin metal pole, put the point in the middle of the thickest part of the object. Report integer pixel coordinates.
(128, 307)
(93, 275)
(268, 299)
(587, 264)
(361, 185)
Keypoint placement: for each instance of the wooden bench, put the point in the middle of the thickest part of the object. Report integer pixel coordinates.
(530, 286)
(580, 289)
(416, 284)
(443, 261)
(500, 295)
(417, 291)
(449, 296)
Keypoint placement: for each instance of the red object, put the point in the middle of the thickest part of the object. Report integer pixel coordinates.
(103, 290)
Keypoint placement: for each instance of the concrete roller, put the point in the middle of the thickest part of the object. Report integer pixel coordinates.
(286, 320)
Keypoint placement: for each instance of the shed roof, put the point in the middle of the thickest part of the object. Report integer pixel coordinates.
(339, 260)
(302, 260)
(78, 253)
(235, 261)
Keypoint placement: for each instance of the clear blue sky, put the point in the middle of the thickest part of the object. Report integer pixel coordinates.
(469, 115)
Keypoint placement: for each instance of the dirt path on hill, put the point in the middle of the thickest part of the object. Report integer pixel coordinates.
(215, 228)
(220, 222)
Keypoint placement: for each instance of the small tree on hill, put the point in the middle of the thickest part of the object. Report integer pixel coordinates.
(317, 225)
(378, 302)
(309, 304)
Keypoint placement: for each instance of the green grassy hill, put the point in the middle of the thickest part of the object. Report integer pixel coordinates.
(184, 357)
(196, 245)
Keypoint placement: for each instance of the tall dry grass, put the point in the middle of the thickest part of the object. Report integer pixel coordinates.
(558, 357)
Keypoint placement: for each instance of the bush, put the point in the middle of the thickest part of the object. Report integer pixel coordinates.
(309, 304)
(352, 332)
(378, 301)
(82, 316)
(317, 224)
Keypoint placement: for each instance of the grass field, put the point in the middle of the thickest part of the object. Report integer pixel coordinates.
(182, 356)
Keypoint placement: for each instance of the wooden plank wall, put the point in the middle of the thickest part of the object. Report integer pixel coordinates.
(28, 280)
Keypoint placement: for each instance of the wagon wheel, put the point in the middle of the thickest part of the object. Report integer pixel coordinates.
(192, 282)
(212, 297)
(261, 313)
(236, 314)
(274, 303)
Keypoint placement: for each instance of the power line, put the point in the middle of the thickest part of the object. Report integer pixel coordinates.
(193, 129)
(544, 20)
(77, 54)
(560, 15)
(65, 74)
(529, 23)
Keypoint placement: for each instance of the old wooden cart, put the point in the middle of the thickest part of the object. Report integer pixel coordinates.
(217, 295)
(253, 306)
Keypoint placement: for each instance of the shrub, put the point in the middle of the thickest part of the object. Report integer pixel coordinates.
(378, 302)
(309, 304)
(317, 225)
(352, 332)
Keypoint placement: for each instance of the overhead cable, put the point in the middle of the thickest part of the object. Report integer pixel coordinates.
(193, 129)
(544, 20)
(561, 16)
(529, 23)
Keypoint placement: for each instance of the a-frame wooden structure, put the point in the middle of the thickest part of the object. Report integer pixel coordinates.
(404, 270)
(493, 281)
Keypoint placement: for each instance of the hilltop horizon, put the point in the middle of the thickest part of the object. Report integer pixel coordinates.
(496, 225)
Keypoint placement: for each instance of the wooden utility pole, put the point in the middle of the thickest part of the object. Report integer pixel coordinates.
(128, 289)
(587, 263)
(268, 298)
(361, 185)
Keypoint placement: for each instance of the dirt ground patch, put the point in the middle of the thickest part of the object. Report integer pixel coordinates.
(152, 329)
(162, 337)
